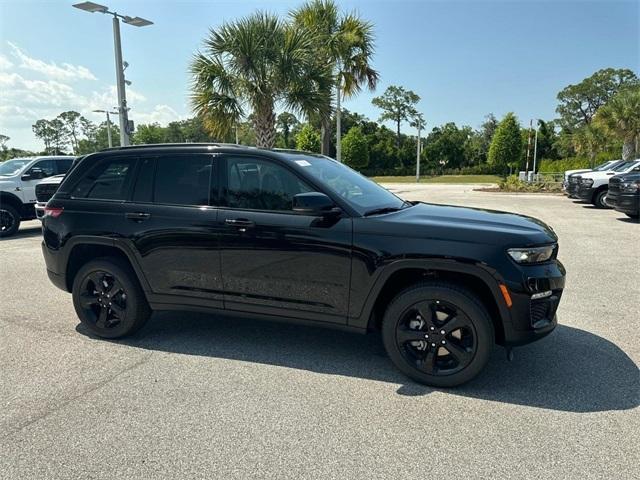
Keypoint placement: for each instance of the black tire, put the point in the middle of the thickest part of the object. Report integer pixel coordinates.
(600, 199)
(470, 344)
(9, 220)
(108, 298)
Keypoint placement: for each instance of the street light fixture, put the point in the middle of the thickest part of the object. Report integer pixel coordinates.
(125, 127)
(108, 124)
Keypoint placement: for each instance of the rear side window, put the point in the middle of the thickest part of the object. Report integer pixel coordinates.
(109, 180)
(63, 165)
(143, 189)
(183, 179)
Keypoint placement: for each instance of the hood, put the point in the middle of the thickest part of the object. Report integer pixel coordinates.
(595, 175)
(462, 224)
(572, 172)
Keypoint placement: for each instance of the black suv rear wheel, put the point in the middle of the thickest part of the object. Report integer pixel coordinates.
(108, 298)
(438, 334)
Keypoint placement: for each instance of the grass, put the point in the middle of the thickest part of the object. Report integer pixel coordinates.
(442, 179)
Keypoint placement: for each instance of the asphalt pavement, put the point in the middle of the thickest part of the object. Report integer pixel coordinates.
(196, 396)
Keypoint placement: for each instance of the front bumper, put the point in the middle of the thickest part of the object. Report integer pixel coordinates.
(572, 190)
(585, 193)
(534, 318)
(625, 203)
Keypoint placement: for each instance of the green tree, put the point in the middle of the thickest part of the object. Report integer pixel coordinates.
(621, 117)
(506, 146)
(445, 146)
(43, 131)
(355, 149)
(308, 139)
(344, 45)
(579, 103)
(255, 64)
(147, 134)
(71, 121)
(397, 105)
(285, 122)
(3, 142)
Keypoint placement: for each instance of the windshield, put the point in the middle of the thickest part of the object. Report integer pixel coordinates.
(622, 166)
(11, 167)
(362, 194)
(606, 166)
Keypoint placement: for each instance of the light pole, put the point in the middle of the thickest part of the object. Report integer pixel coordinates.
(120, 81)
(108, 124)
(418, 122)
(535, 147)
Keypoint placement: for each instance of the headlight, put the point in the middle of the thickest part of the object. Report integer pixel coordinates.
(629, 187)
(586, 181)
(532, 255)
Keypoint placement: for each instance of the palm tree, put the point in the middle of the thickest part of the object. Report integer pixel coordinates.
(621, 117)
(345, 46)
(251, 66)
(588, 140)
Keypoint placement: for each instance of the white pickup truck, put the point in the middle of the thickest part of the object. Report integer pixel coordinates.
(593, 186)
(18, 179)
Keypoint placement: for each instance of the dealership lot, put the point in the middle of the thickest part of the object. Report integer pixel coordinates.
(193, 396)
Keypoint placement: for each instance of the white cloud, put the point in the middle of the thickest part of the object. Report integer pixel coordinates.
(5, 63)
(51, 70)
(162, 114)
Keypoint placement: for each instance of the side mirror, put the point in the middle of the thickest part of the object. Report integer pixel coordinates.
(33, 174)
(314, 204)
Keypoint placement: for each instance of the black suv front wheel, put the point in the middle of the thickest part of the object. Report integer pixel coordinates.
(438, 334)
(108, 298)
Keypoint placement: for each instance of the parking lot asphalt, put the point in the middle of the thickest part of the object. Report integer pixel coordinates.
(194, 396)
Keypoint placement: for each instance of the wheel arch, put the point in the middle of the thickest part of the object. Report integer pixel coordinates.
(84, 249)
(406, 273)
(11, 199)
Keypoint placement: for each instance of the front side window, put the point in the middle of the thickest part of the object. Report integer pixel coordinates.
(362, 194)
(47, 167)
(109, 180)
(257, 184)
(182, 179)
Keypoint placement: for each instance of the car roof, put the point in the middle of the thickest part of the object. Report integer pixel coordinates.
(282, 153)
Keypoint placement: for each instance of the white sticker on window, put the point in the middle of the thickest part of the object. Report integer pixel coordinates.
(303, 163)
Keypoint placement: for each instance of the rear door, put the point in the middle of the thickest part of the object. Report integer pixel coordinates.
(172, 227)
(274, 260)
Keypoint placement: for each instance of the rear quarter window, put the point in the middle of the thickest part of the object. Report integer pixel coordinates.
(108, 180)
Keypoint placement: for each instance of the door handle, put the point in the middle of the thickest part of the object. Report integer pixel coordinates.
(137, 216)
(240, 223)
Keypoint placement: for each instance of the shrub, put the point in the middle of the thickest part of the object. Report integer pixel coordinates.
(513, 184)
(308, 139)
(355, 149)
(506, 145)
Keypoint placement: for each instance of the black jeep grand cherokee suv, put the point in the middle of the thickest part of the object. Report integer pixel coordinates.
(301, 237)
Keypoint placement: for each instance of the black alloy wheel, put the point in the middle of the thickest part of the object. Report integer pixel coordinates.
(108, 298)
(436, 337)
(439, 334)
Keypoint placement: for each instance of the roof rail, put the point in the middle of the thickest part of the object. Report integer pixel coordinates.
(176, 145)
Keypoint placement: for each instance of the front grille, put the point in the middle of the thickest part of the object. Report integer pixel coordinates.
(45, 191)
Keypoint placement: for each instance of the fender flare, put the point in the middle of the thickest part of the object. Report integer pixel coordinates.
(11, 199)
(487, 275)
(107, 242)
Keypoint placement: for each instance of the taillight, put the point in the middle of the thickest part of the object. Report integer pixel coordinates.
(54, 212)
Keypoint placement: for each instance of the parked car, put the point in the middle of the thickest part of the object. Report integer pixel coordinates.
(301, 238)
(18, 178)
(624, 194)
(593, 186)
(601, 167)
(47, 187)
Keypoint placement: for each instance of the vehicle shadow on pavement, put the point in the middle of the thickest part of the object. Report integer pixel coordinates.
(24, 233)
(570, 370)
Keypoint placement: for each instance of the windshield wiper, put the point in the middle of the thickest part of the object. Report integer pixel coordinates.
(380, 211)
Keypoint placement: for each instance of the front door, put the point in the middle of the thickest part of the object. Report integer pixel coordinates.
(276, 261)
(33, 176)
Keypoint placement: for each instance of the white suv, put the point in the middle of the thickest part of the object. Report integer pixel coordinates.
(18, 179)
(593, 186)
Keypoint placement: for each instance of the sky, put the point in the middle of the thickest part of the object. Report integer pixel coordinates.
(464, 59)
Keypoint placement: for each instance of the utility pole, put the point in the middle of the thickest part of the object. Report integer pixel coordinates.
(535, 147)
(418, 153)
(123, 111)
(107, 112)
(338, 123)
(526, 168)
